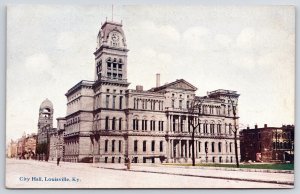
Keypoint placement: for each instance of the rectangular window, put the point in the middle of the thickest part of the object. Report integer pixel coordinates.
(114, 102)
(106, 145)
(161, 148)
(121, 102)
(144, 146)
(113, 124)
(187, 104)
(158, 125)
(107, 101)
(146, 123)
(120, 146)
(153, 146)
(135, 146)
(173, 103)
(180, 104)
(113, 146)
(153, 125)
(120, 124)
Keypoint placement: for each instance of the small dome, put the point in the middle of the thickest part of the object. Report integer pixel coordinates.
(46, 104)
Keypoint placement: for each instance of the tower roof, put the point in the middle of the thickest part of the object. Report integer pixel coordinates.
(46, 104)
(109, 26)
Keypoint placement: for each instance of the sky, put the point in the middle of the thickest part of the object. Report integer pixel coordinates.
(247, 49)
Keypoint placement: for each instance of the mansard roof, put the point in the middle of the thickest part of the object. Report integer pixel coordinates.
(179, 84)
(109, 26)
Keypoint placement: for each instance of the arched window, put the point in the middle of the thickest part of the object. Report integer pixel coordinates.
(106, 123)
(161, 146)
(212, 146)
(220, 147)
(206, 146)
(230, 147)
(212, 128)
(153, 146)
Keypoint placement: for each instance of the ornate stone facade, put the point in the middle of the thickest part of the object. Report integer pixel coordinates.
(107, 122)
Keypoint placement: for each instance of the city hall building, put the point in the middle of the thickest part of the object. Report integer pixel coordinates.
(107, 122)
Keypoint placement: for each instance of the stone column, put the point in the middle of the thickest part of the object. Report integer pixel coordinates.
(180, 149)
(179, 123)
(185, 149)
(171, 148)
(171, 123)
(168, 123)
(168, 150)
(188, 148)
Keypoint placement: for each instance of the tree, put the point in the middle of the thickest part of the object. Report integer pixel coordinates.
(235, 130)
(95, 137)
(195, 112)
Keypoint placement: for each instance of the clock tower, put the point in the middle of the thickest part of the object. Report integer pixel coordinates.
(111, 54)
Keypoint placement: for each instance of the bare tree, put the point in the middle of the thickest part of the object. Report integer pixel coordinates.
(236, 128)
(95, 136)
(195, 112)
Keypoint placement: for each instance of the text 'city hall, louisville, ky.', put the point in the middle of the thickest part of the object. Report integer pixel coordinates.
(107, 122)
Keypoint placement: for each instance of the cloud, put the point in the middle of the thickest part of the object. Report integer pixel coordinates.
(38, 63)
(196, 38)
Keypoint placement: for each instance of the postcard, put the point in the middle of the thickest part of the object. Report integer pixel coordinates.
(156, 96)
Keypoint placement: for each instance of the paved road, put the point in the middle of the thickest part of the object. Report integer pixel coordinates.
(31, 174)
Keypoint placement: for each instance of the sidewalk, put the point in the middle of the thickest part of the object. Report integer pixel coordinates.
(266, 177)
(191, 171)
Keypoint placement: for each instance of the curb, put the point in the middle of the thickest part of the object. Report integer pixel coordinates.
(204, 176)
(229, 169)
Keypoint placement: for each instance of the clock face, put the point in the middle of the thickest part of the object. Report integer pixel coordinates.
(115, 37)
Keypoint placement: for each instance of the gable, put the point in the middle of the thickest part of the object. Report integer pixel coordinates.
(178, 85)
(183, 85)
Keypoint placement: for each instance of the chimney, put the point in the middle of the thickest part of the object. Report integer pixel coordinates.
(255, 126)
(266, 126)
(157, 80)
(139, 88)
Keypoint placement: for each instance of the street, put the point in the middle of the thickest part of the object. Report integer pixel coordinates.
(38, 174)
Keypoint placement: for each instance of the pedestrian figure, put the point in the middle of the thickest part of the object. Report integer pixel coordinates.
(58, 159)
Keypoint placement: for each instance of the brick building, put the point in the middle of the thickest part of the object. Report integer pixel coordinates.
(267, 144)
(25, 146)
(106, 121)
